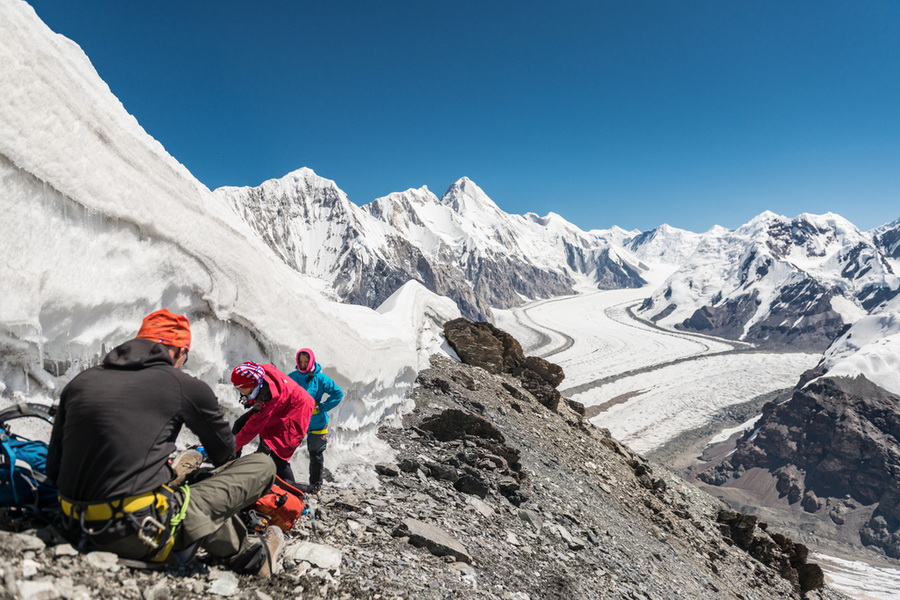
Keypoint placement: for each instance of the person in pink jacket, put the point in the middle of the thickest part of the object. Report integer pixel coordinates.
(279, 413)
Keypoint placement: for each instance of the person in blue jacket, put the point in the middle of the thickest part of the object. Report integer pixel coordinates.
(311, 378)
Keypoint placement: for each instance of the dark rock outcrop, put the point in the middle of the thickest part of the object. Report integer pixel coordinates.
(782, 326)
(484, 345)
(775, 550)
(835, 439)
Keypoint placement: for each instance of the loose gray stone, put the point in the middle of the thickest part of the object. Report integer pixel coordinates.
(223, 587)
(319, 555)
(387, 470)
(102, 560)
(465, 569)
(20, 542)
(37, 590)
(436, 540)
(64, 550)
(532, 518)
(481, 506)
(160, 591)
(222, 575)
(30, 568)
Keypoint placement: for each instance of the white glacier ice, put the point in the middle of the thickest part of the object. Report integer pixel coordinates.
(101, 226)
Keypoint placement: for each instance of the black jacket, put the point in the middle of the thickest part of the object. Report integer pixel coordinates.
(117, 424)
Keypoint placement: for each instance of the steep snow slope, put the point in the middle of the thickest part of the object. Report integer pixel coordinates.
(887, 237)
(429, 311)
(870, 348)
(777, 281)
(101, 226)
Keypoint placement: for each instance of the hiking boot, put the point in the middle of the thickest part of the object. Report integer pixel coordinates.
(273, 544)
(315, 488)
(185, 463)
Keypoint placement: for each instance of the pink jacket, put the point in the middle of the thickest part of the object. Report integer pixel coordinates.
(282, 422)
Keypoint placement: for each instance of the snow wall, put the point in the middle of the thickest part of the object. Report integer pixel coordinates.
(102, 226)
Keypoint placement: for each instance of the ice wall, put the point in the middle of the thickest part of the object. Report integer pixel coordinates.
(101, 226)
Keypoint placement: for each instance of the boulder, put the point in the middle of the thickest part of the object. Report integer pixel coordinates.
(483, 345)
(435, 540)
(453, 424)
(318, 555)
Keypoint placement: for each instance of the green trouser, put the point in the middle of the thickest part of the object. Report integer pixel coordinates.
(211, 515)
(211, 512)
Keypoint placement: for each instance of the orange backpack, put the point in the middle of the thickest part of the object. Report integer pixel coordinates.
(281, 506)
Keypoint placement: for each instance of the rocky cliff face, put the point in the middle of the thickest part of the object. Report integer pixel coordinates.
(832, 451)
(887, 238)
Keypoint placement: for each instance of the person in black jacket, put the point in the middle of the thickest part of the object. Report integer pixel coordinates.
(112, 436)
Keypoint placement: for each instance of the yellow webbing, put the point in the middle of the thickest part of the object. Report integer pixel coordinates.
(104, 511)
(174, 522)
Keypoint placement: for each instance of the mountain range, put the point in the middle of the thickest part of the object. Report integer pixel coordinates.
(774, 282)
(461, 245)
(780, 282)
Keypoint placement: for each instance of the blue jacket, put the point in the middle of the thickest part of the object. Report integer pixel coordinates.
(318, 384)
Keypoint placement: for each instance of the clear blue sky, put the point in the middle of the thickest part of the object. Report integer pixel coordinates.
(631, 113)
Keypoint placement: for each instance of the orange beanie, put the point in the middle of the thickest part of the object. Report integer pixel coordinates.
(166, 328)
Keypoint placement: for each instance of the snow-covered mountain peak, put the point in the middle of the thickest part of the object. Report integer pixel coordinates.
(886, 227)
(466, 198)
(717, 231)
(305, 181)
(555, 223)
(761, 224)
(414, 208)
(665, 244)
(809, 241)
(887, 237)
(615, 235)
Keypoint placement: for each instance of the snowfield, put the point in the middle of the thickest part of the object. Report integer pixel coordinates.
(860, 580)
(607, 340)
(649, 384)
(645, 411)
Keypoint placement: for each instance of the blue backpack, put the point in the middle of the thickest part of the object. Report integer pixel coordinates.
(23, 464)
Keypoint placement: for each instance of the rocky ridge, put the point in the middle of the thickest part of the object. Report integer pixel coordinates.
(830, 451)
(492, 495)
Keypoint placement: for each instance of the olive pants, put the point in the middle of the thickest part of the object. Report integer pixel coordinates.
(212, 511)
(211, 516)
